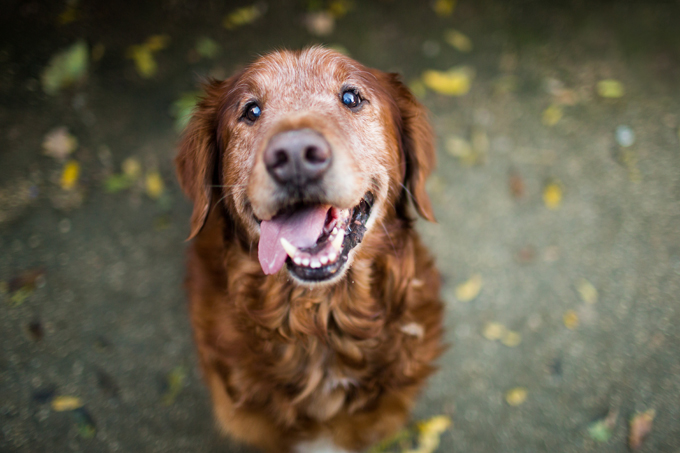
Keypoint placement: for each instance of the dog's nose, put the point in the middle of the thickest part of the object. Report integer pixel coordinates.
(298, 157)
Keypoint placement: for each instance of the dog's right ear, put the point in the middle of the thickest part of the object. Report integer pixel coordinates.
(198, 152)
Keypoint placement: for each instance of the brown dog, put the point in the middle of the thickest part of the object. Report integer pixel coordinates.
(315, 307)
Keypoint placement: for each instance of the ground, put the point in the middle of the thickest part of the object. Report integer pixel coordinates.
(559, 246)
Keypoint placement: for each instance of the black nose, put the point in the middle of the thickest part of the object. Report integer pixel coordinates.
(297, 157)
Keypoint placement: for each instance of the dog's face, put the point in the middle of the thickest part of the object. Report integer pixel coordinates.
(310, 151)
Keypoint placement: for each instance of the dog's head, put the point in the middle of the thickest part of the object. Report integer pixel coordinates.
(308, 151)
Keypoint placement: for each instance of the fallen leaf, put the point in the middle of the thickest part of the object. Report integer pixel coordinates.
(207, 48)
(511, 338)
(516, 184)
(116, 183)
(552, 195)
(29, 279)
(430, 434)
(526, 254)
(70, 14)
(175, 382)
(339, 8)
(458, 147)
(58, 143)
(552, 115)
(516, 396)
(454, 82)
(70, 175)
(132, 168)
(640, 427)
(154, 185)
(157, 42)
(470, 289)
(570, 319)
(601, 430)
(66, 403)
(84, 423)
(244, 16)
(493, 331)
(65, 68)
(183, 107)
(458, 40)
(444, 8)
(320, 23)
(142, 54)
(610, 88)
(587, 291)
(418, 89)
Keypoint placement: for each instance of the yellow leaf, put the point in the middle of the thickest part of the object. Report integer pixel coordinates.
(70, 174)
(570, 319)
(144, 62)
(339, 8)
(610, 88)
(154, 185)
(494, 331)
(66, 403)
(640, 427)
(516, 396)
(132, 168)
(458, 40)
(430, 434)
(458, 147)
(444, 8)
(157, 42)
(511, 339)
(552, 115)
(417, 87)
(175, 383)
(467, 291)
(552, 195)
(587, 291)
(243, 16)
(454, 82)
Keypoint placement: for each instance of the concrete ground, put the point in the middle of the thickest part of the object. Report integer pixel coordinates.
(572, 240)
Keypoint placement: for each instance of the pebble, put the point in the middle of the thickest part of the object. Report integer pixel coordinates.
(625, 136)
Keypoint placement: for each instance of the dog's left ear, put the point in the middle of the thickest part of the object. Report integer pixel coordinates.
(197, 157)
(417, 143)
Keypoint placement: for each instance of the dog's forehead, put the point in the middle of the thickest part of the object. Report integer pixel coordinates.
(311, 71)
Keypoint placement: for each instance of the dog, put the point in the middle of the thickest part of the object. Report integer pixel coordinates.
(314, 305)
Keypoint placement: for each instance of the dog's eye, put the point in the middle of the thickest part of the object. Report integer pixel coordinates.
(352, 99)
(252, 112)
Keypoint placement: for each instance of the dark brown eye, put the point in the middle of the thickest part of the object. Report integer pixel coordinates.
(252, 112)
(352, 99)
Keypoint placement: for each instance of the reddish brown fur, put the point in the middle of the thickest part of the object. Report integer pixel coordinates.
(271, 349)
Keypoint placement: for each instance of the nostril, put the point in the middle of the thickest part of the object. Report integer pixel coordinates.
(280, 158)
(316, 155)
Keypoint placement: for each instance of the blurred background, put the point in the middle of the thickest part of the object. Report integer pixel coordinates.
(557, 195)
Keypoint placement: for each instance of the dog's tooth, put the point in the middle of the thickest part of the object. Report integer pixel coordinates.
(324, 260)
(314, 264)
(335, 230)
(305, 262)
(290, 249)
(297, 260)
(337, 240)
(332, 256)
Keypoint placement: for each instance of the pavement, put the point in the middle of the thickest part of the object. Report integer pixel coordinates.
(558, 237)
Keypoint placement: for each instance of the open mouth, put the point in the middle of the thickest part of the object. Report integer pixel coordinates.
(313, 241)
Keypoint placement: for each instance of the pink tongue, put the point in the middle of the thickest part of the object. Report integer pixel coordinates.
(301, 228)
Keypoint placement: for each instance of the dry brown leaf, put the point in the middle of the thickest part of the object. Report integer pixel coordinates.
(570, 319)
(640, 427)
(66, 403)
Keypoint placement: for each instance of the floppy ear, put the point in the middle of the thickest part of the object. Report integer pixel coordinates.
(417, 143)
(198, 153)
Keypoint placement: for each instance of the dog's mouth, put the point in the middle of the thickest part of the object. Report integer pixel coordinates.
(314, 241)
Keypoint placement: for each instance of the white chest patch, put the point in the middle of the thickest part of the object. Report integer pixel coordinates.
(320, 445)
